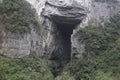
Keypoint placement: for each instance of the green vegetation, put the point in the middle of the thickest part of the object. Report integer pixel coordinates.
(100, 60)
(65, 76)
(17, 15)
(102, 56)
(98, 38)
(24, 69)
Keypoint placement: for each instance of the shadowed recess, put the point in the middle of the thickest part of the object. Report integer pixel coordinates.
(65, 31)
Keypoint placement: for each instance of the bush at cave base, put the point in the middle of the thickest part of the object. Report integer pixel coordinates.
(100, 61)
(24, 69)
(102, 56)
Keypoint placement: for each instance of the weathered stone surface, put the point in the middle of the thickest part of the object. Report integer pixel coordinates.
(17, 45)
(57, 14)
(77, 13)
(64, 11)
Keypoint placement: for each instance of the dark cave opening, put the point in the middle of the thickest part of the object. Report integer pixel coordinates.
(63, 42)
(63, 52)
(63, 27)
(66, 31)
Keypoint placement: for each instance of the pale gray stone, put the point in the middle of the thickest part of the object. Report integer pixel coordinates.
(49, 42)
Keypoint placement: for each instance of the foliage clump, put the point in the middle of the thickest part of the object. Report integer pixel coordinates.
(102, 56)
(24, 69)
(65, 76)
(17, 15)
(98, 38)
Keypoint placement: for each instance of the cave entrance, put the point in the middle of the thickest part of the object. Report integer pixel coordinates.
(65, 31)
(62, 54)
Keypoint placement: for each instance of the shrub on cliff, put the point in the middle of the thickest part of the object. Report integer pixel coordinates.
(103, 67)
(65, 76)
(24, 69)
(98, 38)
(102, 56)
(17, 15)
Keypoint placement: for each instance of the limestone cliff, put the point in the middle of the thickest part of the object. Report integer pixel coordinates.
(61, 12)
(60, 21)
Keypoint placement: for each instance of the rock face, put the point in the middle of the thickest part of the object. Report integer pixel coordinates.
(64, 11)
(17, 45)
(60, 17)
(60, 21)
